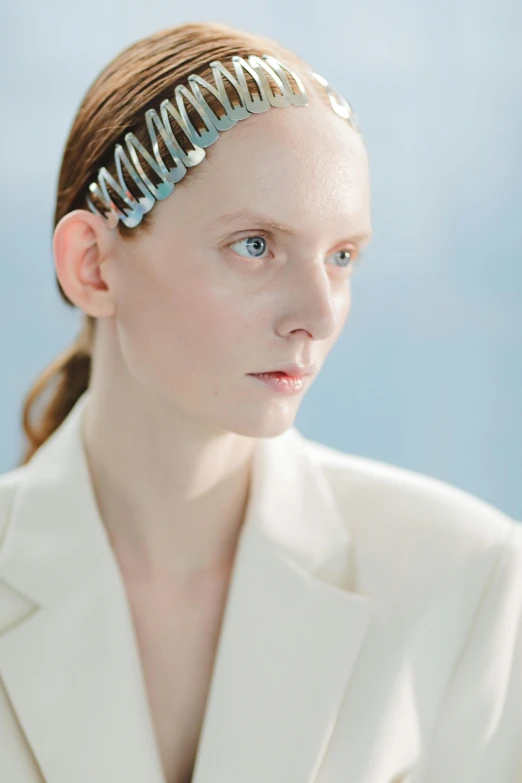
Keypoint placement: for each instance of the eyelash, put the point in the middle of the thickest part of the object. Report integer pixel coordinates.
(356, 257)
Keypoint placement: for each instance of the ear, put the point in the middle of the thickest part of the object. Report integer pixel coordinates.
(81, 244)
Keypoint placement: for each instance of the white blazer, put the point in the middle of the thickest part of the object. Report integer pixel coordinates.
(372, 630)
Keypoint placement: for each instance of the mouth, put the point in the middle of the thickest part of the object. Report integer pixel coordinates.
(290, 370)
(281, 374)
(282, 382)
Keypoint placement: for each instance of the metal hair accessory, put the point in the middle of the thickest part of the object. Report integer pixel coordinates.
(258, 68)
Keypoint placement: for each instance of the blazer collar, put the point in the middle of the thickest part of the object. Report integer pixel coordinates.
(292, 629)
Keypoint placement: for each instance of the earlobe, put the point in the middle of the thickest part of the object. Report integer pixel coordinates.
(79, 248)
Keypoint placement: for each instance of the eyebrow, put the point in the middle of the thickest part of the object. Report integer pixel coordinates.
(256, 217)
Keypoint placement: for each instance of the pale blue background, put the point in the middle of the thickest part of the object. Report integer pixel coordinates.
(428, 371)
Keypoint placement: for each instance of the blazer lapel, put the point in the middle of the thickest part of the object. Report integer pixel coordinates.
(292, 629)
(71, 668)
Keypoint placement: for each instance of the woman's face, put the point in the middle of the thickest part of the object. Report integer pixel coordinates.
(208, 297)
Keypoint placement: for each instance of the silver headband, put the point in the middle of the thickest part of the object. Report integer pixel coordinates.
(258, 68)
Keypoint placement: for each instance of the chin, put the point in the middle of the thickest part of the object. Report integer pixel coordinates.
(267, 425)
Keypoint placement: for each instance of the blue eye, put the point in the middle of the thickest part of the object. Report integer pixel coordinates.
(255, 243)
(348, 257)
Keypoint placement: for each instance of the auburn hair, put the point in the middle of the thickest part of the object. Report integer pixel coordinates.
(139, 78)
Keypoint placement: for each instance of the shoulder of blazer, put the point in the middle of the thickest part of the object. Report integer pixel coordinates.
(419, 529)
(13, 606)
(8, 485)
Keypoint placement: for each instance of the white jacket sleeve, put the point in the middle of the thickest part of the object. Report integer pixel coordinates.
(478, 733)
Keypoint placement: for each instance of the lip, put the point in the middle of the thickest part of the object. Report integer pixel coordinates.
(280, 383)
(293, 370)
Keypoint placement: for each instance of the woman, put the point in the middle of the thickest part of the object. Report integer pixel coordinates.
(190, 589)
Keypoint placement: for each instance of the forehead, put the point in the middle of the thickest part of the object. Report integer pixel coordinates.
(296, 164)
(302, 142)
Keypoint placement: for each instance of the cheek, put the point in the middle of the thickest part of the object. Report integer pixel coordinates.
(211, 328)
(343, 307)
(346, 305)
(173, 335)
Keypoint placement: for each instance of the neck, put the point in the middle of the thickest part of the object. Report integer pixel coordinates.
(172, 501)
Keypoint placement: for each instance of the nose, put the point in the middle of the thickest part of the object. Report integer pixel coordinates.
(313, 301)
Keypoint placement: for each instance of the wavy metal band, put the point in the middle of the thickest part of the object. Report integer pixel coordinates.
(258, 68)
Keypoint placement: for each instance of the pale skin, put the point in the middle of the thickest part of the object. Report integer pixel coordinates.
(182, 319)
(183, 315)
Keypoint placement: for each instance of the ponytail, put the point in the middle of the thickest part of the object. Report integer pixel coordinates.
(71, 372)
